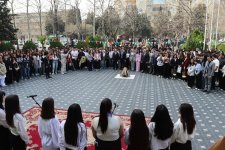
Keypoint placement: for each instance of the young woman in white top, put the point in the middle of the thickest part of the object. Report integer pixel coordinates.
(48, 126)
(4, 128)
(191, 74)
(137, 136)
(160, 129)
(107, 129)
(16, 123)
(73, 133)
(184, 129)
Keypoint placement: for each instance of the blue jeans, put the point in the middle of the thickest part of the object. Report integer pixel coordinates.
(26, 72)
(55, 66)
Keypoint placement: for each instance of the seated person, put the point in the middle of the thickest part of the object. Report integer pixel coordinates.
(124, 72)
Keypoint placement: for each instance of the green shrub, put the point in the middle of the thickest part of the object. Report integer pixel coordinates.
(55, 44)
(82, 44)
(221, 47)
(6, 47)
(29, 45)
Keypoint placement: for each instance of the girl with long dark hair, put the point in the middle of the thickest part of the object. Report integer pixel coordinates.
(5, 133)
(107, 129)
(137, 136)
(16, 123)
(48, 126)
(72, 133)
(161, 129)
(184, 128)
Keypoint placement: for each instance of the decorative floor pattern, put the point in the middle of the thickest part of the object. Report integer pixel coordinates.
(144, 92)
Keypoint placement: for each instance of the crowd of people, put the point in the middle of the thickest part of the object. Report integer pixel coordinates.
(107, 129)
(203, 70)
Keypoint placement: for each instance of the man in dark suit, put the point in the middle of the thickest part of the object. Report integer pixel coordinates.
(115, 59)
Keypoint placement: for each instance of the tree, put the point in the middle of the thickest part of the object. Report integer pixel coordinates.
(90, 17)
(194, 40)
(42, 39)
(198, 17)
(7, 30)
(38, 5)
(6, 46)
(112, 22)
(134, 23)
(72, 16)
(29, 45)
(50, 25)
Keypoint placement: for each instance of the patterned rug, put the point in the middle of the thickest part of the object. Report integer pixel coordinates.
(32, 116)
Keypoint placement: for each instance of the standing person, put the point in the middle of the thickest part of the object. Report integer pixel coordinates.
(166, 66)
(55, 60)
(4, 128)
(215, 78)
(50, 61)
(16, 70)
(174, 65)
(74, 54)
(161, 129)
(160, 65)
(73, 133)
(97, 60)
(137, 136)
(132, 59)
(138, 60)
(198, 74)
(36, 63)
(145, 61)
(48, 126)
(107, 129)
(63, 62)
(16, 122)
(115, 59)
(47, 65)
(191, 74)
(208, 73)
(89, 60)
(184, 128)
(2, 72)
(9, 73)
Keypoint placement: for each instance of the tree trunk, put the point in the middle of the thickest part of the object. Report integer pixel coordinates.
(28, 20)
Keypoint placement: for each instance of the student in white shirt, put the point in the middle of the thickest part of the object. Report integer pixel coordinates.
(16, 123)
(48, 126)
(160, 129)
(4, 128)
(215, 78)
(184, 129)
(137, 136)
(191, 74)
(198, 74)
(73, 133)
(107, 129)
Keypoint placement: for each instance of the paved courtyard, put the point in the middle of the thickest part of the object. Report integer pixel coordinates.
(144, 91)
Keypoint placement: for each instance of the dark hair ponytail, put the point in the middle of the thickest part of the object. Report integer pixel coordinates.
(105, 108)
(74, 116)
(12, 106)
(187, 117)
